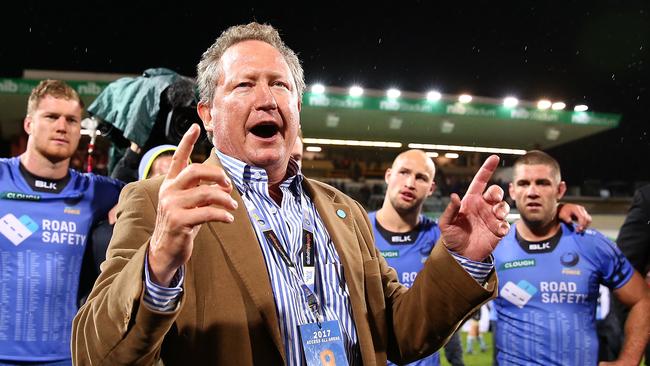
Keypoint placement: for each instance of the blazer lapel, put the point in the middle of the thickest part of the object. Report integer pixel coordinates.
(242, 247)
(339, 223)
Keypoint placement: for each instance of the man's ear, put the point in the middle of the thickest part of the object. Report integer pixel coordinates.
(431, 189)
(387, 175)
(561, 190)
(27, 124)
(205, 113)
(299, 105)
(511, 190)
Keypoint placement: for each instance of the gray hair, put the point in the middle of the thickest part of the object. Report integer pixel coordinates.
(209, 68)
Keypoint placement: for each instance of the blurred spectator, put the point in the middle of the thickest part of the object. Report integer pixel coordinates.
(5, 147)
(155, 162)
(476, 333)
(634, 236)
(634, 242)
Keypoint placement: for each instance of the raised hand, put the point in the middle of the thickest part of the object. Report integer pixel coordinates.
(473, 227)
(189, 196)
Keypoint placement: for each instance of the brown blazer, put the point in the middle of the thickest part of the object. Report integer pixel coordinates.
(227, 313)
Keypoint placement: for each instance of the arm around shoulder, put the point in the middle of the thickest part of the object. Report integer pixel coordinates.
(114, 326)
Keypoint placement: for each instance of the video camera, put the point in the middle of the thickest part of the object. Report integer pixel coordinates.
(177, 113)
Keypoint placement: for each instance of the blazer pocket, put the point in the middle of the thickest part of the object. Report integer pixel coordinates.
(334, 273)
(375, 301)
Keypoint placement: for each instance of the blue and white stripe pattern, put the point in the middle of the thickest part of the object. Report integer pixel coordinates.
(163, 299)
(478, 270)
(286, 221)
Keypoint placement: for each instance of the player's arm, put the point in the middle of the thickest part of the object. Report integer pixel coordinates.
(569, 212)
(635, 294)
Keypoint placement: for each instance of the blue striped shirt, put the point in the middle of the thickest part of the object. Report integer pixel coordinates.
(161, 298)
(478, 270)
(286, 221)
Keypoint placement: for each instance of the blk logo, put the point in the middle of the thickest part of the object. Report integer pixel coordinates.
(46, 185)
(401, 238)
(539, 246)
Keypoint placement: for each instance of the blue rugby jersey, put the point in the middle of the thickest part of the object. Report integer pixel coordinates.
(548, 294)
(43, 236)
(406, 253)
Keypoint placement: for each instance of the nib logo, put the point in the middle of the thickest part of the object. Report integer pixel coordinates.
(17, 230)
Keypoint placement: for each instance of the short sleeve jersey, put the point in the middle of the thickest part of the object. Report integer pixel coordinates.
(406, 253)
(548, 295)
(42, 241)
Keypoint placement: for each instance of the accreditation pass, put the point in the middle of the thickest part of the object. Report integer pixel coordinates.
(323, 345)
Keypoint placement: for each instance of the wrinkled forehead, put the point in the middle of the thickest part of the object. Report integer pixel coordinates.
(253, 56)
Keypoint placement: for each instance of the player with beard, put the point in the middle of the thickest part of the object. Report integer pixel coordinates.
(549, 276)
(405, 236)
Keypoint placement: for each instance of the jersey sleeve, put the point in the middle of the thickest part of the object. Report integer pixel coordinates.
(616, 270)
(106, 195)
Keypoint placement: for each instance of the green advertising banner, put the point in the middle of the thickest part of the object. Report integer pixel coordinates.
(25, 86)
(444, 107)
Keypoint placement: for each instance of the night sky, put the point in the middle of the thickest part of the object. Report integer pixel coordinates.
(588, 52)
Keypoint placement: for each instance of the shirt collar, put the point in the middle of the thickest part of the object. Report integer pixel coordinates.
(243, 175)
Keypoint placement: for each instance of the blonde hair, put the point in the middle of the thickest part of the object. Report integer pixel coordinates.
(209, 68)
(54, 88)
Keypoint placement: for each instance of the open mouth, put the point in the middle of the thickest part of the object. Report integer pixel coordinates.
(265, 130)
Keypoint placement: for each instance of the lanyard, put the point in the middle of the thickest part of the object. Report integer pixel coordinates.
(308, 251)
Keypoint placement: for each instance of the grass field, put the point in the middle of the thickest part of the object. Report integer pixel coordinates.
(477, 358)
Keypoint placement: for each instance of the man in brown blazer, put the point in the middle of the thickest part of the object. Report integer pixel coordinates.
(210, 264)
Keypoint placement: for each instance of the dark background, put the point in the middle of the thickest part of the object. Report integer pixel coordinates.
(576, 51)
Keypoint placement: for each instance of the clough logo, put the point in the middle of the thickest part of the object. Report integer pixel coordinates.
(521, 263)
